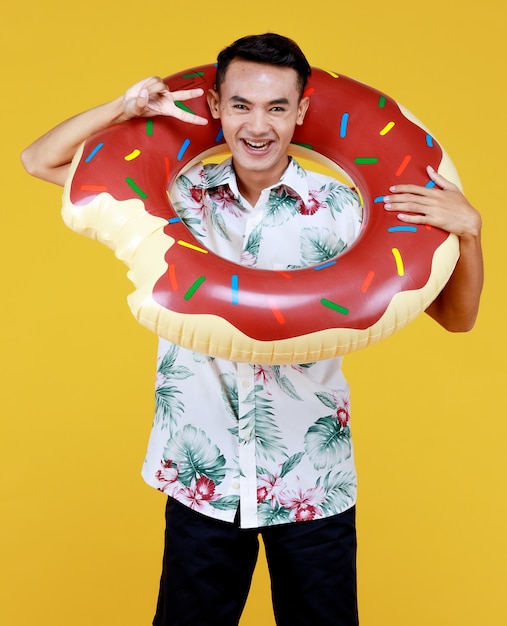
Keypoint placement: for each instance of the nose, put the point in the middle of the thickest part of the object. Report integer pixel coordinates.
(258, 123)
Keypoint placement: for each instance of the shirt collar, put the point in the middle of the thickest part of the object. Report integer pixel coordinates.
(294, 178)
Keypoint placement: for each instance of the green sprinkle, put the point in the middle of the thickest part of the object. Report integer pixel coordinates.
(194, 287)
(149, 127)
(193, 74)
(382, 102)
(183, 107)
(334, 306)
(365, 160)
(303, 145)
(137, 189)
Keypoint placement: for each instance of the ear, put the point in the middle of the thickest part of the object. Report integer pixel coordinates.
(214, 103)
(302, 109)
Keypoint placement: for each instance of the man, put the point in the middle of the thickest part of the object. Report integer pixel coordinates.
(241, 449)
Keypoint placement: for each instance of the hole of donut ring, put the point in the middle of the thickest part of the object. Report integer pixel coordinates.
(308, 159)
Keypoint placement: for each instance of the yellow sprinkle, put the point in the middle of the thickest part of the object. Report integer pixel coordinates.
(333, 74)
(399, 261)
(133, 155)
(387, 128)
(192, 247)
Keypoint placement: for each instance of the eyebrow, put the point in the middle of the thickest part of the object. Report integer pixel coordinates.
(242, 100)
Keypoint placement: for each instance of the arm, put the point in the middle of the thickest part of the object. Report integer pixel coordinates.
(49, 157)
(444, 206)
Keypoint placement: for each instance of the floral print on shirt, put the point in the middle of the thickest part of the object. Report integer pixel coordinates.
(274, 440)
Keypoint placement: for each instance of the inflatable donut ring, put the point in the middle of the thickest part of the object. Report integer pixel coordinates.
(117, 193)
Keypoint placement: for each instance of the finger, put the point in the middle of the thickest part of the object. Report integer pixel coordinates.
(189, 118)
(437, 178)
(187, 94)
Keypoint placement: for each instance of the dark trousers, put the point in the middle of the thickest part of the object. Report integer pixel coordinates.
(208, 567)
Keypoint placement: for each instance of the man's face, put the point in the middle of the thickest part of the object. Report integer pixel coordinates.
(259, 108)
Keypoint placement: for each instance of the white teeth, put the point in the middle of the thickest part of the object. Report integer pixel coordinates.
(256, 145)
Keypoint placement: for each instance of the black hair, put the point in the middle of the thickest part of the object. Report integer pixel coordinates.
(268, 48)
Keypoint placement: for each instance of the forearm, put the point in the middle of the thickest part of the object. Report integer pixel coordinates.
(457, 306)
(49, 156)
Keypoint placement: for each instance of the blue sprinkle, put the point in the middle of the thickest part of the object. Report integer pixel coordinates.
(321, 267)
(430, 184)
(93, 152)
(399, 229)
(173, 220)
(429, 141)
(235, 288)
(183, 148)
(343, 125)
(379, 199)
(220, 135)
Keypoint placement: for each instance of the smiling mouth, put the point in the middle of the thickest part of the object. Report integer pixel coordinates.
(256, 145)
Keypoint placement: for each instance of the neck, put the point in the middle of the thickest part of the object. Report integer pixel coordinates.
(251, 183)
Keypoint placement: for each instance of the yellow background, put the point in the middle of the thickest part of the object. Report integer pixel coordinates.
(81, 534)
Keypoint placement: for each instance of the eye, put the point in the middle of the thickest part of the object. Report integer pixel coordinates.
(278, 109)
(240, 107)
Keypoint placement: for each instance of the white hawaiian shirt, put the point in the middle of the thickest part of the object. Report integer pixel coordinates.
(272, 440)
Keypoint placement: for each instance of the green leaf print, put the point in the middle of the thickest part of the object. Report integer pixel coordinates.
(218, 222)
(253, 242)
(327, 399)
(285, 384)
(269, 516)
(168, 406)
(339, 195)
(319, 244)
(260, 423)
(340, 489)
(229, 386)
(281, 207)
(327, 443)
(290, 464)
(226, 503)
(192, 451)
(217, 176)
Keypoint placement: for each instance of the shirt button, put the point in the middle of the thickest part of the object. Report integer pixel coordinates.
(246, 383)
(235, 485)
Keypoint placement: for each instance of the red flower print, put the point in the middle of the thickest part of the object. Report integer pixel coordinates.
(343, 416)
(205, 487)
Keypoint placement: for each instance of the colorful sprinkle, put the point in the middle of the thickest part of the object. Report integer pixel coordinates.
(149, 127)
(185, 244)
(173, 220)
(220, 135)
(137, 189)
(429, 141)
(402, 229)
(308, 146)
(194, 287)
(235, 288)
(333, 74)
(172, 277)
(193, 75)
(93, 188)
(94, 152)
(379, 199)
(365, 160)
(399, 262)
(387, 128)
(403, 165)
(309, 92)
(430, 184)
(328, 264)
(276, 312)
(343, 125)
(284, 274)
(183, 148)
(133, 155)
(167, 165)
(382, 102)
(367, 281)
(334, 306)
(183, 107)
